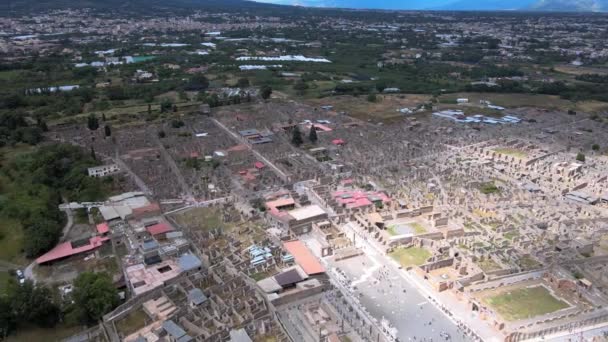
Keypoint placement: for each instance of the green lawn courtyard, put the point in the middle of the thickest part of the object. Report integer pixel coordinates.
(412, 256)
(524, 303)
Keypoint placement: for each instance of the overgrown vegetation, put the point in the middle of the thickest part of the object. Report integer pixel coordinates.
(35, 183)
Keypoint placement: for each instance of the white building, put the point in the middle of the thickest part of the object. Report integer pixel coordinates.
(103, 170)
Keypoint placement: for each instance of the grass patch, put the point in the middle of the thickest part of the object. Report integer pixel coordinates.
(81, 216)
(418, 228)
(412, 256)
(33, 333)
(489, 188)
(525, 303)
(528, 263)
(511, 152)
(132, 322)
(392, 231)
(510, 235)
(488, 265)
(202, 219)
(511, 100)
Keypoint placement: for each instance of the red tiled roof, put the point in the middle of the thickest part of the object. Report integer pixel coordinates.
(338, 142)
(150, 208)
(103, 228)
(65, 249)
(159, 228)
(259, 165)
(304, 257)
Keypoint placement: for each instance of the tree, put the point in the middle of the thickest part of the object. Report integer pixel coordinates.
(42, 124)
(243, 82)
(149, 109)
(92, 122)
(165, 105)
(177, 123)
(8, 322)
(103, 117)
(265, 92)
(595, 147)
(108, 130)
(33, 303)
(42, 235)
(161, 134)
(197, 82)
(94, 295)
(300, 87)
(312, 136)
(372, 97)
(296, 137)
(93, 155)
(580, 157)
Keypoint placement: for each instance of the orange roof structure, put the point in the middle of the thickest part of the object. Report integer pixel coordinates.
(304, 258)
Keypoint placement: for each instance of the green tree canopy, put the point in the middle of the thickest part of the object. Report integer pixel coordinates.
(296, 137)
(94, 295)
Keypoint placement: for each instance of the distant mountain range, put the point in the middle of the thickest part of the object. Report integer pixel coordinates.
(462, 5)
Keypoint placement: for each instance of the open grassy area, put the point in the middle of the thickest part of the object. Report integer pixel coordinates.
(412, 256)
(525, 303)
(385, 108)
(33, 333)
(392, 230)
(528, 263)
(488, 265)
(418, 228)
(511, 152)
(511, 100)
(201, 218)
(488, 188)
(132, 322)
(510, 235)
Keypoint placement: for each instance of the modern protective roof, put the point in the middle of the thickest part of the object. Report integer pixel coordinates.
(239, 335)
(304, 258)
(307, 212)
(103, 228)
(173, 329)
(196, 296)
(189, 262)
(159, 228)
(66, 249)
(288, 278)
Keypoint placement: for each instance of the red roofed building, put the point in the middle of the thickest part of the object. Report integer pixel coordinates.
(150, 210)
(70, 248)
(103, 228)
(352, 199)
(159, 228)
(304, 258)
(259, 165)
(338, 142)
